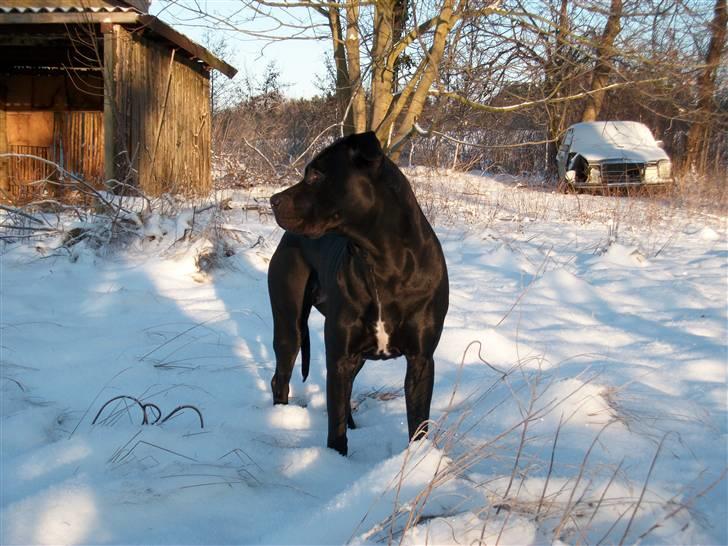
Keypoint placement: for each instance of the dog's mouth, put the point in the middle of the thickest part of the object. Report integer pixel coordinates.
(284, 214)
(300, 226)
(294, 224)
(287, 220)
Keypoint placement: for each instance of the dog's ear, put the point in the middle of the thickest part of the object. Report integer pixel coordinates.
(366, 146)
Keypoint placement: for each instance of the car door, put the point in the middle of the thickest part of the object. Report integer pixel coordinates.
(562, 156)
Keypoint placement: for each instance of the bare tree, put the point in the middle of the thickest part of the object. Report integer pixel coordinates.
(605, 51)
(706, 87)
(222, 89)
(406, 67)
(387, 54)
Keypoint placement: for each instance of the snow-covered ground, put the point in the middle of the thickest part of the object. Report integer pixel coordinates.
(580, 392)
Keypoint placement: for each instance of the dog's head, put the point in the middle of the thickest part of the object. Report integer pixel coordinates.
(338, 190)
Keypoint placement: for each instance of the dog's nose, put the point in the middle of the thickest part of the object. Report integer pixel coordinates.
(275, 201)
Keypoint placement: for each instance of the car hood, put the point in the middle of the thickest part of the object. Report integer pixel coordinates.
(606, 152)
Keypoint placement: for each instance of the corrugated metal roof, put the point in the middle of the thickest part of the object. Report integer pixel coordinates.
(22, 12)
(66, 9)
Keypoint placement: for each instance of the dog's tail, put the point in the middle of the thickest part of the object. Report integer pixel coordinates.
(305, 340)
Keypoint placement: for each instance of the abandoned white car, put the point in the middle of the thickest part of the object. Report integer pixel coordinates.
(598, 155)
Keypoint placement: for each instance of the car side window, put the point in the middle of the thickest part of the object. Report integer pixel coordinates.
(566, 144)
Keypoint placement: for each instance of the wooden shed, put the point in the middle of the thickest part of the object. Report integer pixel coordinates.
(107, 92)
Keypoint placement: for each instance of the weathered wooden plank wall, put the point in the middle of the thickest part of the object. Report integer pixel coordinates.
(162, 117)
(82, 137)
(26, 175)
(72, 140)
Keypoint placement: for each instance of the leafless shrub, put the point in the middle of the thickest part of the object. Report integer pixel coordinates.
(265, 138)
(215, 257)
(102, 220)
(702, 193)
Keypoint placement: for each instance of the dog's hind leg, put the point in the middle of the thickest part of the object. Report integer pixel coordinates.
(418, 384)
(349, 418)
(288, 279)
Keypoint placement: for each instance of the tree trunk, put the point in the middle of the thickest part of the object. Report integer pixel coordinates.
(398, 23)
(697, 136)
(358, 100)
(382, 74)
(602, 69)
(343, 82)
(556, 72)
(435, 54)
(555, 128)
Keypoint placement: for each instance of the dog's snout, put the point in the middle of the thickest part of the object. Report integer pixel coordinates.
(275, 201)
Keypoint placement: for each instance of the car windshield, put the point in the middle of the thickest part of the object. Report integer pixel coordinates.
(617, 134)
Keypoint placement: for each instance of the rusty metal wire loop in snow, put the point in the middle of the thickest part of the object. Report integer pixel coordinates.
(150, 406)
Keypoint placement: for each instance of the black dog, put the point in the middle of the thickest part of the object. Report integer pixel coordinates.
(357, 247)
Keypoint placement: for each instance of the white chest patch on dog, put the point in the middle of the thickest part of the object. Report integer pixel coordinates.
(382, 336)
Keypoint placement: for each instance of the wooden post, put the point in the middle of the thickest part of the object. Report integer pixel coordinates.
(4, 148)
(109, 103)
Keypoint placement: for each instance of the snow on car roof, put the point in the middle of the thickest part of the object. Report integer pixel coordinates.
(615, 140)
(619, 133)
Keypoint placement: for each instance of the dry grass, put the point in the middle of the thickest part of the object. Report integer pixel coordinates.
(581, 502)
(585, 502)
(448, 197)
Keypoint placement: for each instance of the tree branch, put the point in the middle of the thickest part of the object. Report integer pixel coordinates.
(529, 104)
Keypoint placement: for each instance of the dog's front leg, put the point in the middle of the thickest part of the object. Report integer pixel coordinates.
(286, 349)
(418, 384)
(340, 373)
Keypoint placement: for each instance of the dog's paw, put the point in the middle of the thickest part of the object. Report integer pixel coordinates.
(340, 445)
(280, 390)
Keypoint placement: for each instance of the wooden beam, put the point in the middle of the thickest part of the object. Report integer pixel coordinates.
(119, 18)
(32, 40)
(58, 57)
(4, 148)
(109, 103)
(4, 162)
(188, 45)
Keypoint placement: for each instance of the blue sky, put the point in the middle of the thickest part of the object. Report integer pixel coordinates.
(299, 61)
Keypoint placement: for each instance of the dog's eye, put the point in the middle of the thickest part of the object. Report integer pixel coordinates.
(313, 176)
